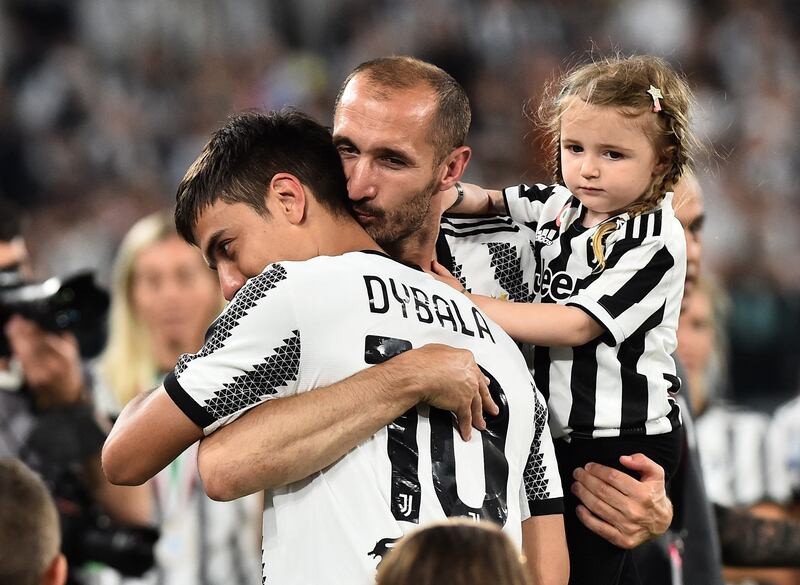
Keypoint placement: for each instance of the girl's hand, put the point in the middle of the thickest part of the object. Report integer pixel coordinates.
(443, 275)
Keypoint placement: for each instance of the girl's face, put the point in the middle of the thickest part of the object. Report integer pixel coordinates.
(607, 160)
(174, 293)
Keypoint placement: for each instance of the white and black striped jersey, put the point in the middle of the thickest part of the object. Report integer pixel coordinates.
(736, 463)
(783, 448)
(303, 325)
(616, 384)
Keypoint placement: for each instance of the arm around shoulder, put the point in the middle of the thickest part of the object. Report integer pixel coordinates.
(287, 439)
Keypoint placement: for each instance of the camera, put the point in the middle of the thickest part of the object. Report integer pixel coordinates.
(60, 442)
(74, 304)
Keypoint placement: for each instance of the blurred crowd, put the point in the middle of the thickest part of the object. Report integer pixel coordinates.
(103, 103)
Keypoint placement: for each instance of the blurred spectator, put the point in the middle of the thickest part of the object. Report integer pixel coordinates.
(739, 468)
(457, 552)
(164, 298)
(47, 419)
(30, 537)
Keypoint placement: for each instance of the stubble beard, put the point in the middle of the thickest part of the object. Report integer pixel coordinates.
(392, 228)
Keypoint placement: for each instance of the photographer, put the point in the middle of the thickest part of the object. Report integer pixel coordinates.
(48, 421)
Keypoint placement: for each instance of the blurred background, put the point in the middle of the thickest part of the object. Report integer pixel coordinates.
(103, 103)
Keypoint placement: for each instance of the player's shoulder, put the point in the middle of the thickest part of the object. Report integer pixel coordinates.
(457, 225)
(325, 269)
(538, 192)
(658, 225)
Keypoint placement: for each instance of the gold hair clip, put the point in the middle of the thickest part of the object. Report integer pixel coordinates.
(656, 94)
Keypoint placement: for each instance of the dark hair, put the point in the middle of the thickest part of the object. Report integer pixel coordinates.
(458, 552)
(450, 123)
(30, 537)
(238, 163)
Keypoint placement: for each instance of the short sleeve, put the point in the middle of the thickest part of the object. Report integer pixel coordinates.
(541, 491)
(526, 203)
(643, 276)
(783, 453)
(251, 354)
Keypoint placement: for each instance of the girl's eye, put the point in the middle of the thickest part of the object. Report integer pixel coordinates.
(574, 148)
(614, 155)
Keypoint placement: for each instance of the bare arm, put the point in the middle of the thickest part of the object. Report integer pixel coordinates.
(621, 509)
(150, 432)
(545, 547)
(288, 439)
(546, 324)
(476, 201)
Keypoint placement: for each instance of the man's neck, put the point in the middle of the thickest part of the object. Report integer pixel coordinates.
(419, 249)
(343, 234)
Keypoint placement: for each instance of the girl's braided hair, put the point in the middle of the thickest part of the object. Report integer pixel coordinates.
(623, 83)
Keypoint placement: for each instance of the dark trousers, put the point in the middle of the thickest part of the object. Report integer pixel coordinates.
(594, 560)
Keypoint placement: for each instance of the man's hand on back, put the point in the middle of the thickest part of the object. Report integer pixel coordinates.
(621, 509)
(449, 379)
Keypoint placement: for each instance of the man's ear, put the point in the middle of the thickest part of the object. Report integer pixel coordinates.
(288, 197)
(454, 166)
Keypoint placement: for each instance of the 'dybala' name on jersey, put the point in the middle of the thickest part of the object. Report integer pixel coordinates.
(305, 325)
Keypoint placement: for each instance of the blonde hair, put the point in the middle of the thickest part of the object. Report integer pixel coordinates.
(127, 364)
(623, 83)
(457, 552)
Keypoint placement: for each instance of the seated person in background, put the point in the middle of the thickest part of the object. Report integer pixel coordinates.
(30, 537)
(164, 298)
(456, 552)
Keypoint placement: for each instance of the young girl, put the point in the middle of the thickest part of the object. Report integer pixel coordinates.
(610, 261)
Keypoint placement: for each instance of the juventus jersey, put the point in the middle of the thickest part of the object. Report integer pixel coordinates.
(619, 383)
(783, 451)
(303, 325)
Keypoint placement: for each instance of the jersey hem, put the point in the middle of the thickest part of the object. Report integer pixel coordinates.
(546, 507)
(196, 413)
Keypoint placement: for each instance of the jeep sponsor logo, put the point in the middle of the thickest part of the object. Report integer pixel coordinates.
(558, 286)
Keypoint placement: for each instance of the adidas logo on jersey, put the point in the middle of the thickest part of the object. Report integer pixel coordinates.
(546, 236)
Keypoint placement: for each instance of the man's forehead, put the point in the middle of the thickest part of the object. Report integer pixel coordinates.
(376, 103)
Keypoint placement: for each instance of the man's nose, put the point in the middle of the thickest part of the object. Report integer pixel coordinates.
(694, 248)
(230, 280)
(361, 181)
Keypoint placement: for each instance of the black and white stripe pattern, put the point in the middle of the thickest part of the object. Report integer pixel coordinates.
(619, 383)
(493, 256)
(490, 255)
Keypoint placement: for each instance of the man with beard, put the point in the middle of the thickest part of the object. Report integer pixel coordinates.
(400, 126)
(348, 467)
